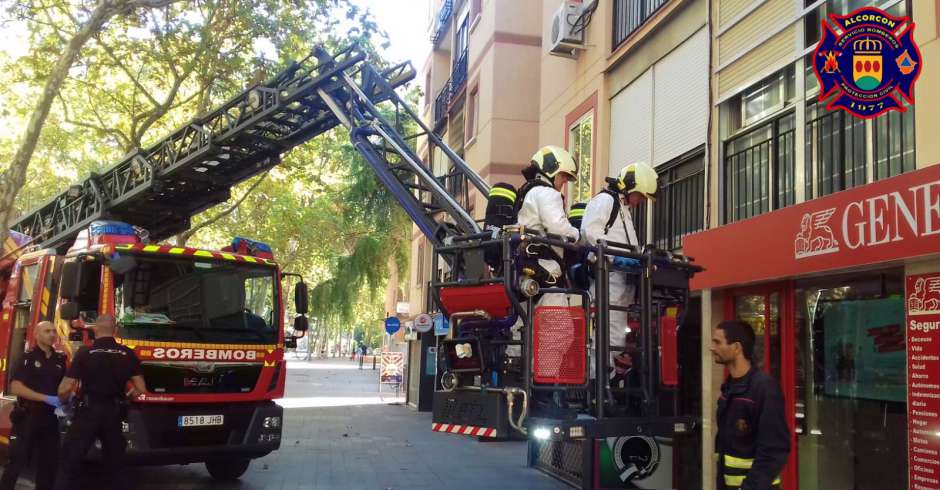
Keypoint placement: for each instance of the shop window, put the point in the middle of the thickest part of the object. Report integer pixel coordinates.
(759, 169)
(680, 201)
(581, 146)
(851, 403)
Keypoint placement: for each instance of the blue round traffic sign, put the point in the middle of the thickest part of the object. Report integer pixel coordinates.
(392, 325)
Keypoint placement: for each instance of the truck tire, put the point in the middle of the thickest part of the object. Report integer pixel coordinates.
(227, 470)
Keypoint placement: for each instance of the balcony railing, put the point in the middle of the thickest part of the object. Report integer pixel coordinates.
(443, 20)
(459, 76)
(629, 15)
(442, 103)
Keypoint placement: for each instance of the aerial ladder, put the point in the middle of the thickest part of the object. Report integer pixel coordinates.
(499, 356)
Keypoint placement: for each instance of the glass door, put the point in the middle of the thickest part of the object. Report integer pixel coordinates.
(769, 310)
(851, 404)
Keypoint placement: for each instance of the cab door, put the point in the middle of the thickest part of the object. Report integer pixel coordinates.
(29, 300)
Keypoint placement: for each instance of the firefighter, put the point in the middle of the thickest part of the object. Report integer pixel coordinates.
(608, 216)
(753, 440)
(542, 206)
(103, 371)
(35, 427)
(543, 209)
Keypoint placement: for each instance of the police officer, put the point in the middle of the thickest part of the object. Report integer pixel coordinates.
(753, 441)
(103, 371)
(35, 427)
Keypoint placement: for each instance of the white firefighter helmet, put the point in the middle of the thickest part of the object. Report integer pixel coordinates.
(552, 160)
(638, 177)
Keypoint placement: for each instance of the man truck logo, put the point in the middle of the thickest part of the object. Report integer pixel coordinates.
(816, 236)
(181, 354)
(925, 298)
(866, 62)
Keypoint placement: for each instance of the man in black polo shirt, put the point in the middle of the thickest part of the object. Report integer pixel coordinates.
(35, 427)
(103, 370)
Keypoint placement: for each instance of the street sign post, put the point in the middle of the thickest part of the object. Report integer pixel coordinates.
(423, 323)
(392, 325)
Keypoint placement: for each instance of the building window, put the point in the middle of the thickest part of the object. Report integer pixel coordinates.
(679, 207)
(581, 147)
(476, 9)
(763, 99)
(759, 151)
(629, 15)
(835, 150)
(473, 112)
(427, 89)
(893, 143)
(759, 169)
(419, 269)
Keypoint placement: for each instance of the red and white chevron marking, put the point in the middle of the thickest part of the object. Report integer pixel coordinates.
(467, 430)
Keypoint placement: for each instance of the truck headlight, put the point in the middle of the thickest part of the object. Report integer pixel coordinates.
(271, 422)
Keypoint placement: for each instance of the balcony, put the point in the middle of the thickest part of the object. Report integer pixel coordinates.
(443, 21)
(629, 15)
(442, 104)
(458, 77)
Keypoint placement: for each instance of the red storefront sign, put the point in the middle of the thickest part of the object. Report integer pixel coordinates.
(923, 380)
(887, 220)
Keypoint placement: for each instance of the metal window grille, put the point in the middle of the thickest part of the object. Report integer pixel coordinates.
(893, 143)
(629, 15)
(835, 148)
(680, 202)
(759, 169)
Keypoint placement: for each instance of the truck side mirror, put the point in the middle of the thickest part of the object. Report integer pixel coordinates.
(300, 324)
(123, 264)
(69, 310)
(300, 298)
(71, 283)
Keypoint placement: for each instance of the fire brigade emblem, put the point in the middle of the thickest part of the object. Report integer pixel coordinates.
(741, 427)
(867, 62)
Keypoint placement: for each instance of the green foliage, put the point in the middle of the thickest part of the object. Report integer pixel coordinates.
(322, 210)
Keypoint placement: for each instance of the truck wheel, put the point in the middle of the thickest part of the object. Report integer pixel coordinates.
(227, 469)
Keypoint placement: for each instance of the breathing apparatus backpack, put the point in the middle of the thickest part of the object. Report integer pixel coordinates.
(502, 209)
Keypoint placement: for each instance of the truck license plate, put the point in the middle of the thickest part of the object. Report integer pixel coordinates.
(200, 420)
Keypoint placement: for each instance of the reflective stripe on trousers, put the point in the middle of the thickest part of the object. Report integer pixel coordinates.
(735, 470)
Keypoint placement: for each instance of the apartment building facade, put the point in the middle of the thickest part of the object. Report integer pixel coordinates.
(481, 86)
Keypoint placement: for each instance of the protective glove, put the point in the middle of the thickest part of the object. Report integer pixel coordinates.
(626, 263)
(53, 401)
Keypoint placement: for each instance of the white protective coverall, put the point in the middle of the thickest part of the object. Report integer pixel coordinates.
(543, 209)
(596, 216)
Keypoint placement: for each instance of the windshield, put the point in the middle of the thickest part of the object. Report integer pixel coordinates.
(196, 301)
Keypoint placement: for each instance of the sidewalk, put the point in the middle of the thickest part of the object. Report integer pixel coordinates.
(340, 434)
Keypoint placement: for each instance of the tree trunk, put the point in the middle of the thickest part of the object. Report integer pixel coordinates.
(14, 176)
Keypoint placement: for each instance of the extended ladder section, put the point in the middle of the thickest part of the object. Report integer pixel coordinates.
(195, 167)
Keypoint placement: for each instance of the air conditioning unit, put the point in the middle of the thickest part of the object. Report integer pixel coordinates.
(567, 36)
